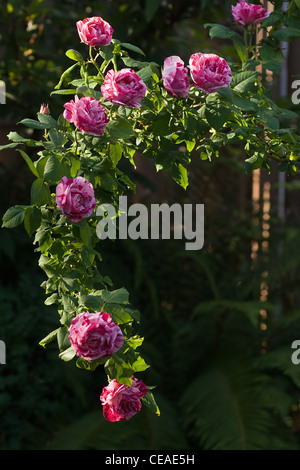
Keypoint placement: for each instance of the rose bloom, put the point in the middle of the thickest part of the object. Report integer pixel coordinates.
(124, 88)
(120, 402)
(75, 197)
(247, 13)
(209, 72)
(175, 77)
(95, 335)
(94, 31)
(88, 115)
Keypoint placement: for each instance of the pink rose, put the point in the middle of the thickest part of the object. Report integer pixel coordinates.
(247, 13)
(124, 88)
(175, 77)
(120, 402)
(209, 72)
(95, 335)
(87, 114)
(94, 31)
(75, 197)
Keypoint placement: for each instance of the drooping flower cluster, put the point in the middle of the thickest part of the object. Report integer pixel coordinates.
(95, 335)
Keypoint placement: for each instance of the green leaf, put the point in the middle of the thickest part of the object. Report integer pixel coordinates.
(132, 63)
(82, 363)
(29, 162)
(243, 81)
(33, 124)
(43, 238)
(146, 75)
(94, 302)
(85, 233)
(64, 92)
(139, 365)
(107, 52)
(240, 49)
(57, 138)
(118, 296)
(9, 146)
(40, 193)
(75, 165)
(47, 120)
(49, 338)
(115, 152)
(215, 113)
(65, 75)
(14, 216)
(131, 47)
(119, 129)
(63, 339)
(67, 355)
(244, 103)
(32, 220)
(55, 170)
(161, 125)
(180, 175)
(219, 31)
(117, 368)
(15, 137)
(135, 341)
(74, 55)
(52, 299)
(287, 33)
(254, 162)
(149, 401)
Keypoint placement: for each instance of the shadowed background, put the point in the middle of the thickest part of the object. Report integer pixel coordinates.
(218, 323)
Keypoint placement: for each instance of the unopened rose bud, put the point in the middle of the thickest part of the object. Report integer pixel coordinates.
(44, 109)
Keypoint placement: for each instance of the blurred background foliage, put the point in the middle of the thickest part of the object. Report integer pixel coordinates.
(219, 350)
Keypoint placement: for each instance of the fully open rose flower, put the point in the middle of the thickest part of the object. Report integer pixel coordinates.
(175, 77)
(95, 335)
(209, 72)
(88, 115)
(120, 402)
(94, 31)
(75, 197)
(124, 88)
(247, 13)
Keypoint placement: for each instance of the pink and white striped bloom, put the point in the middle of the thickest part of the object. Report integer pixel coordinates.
(209, 72)
(248, 13)
(175, 77)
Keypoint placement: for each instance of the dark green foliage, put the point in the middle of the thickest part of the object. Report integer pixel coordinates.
(223, 371)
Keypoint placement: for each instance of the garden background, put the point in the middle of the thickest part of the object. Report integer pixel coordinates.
(219, 322)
